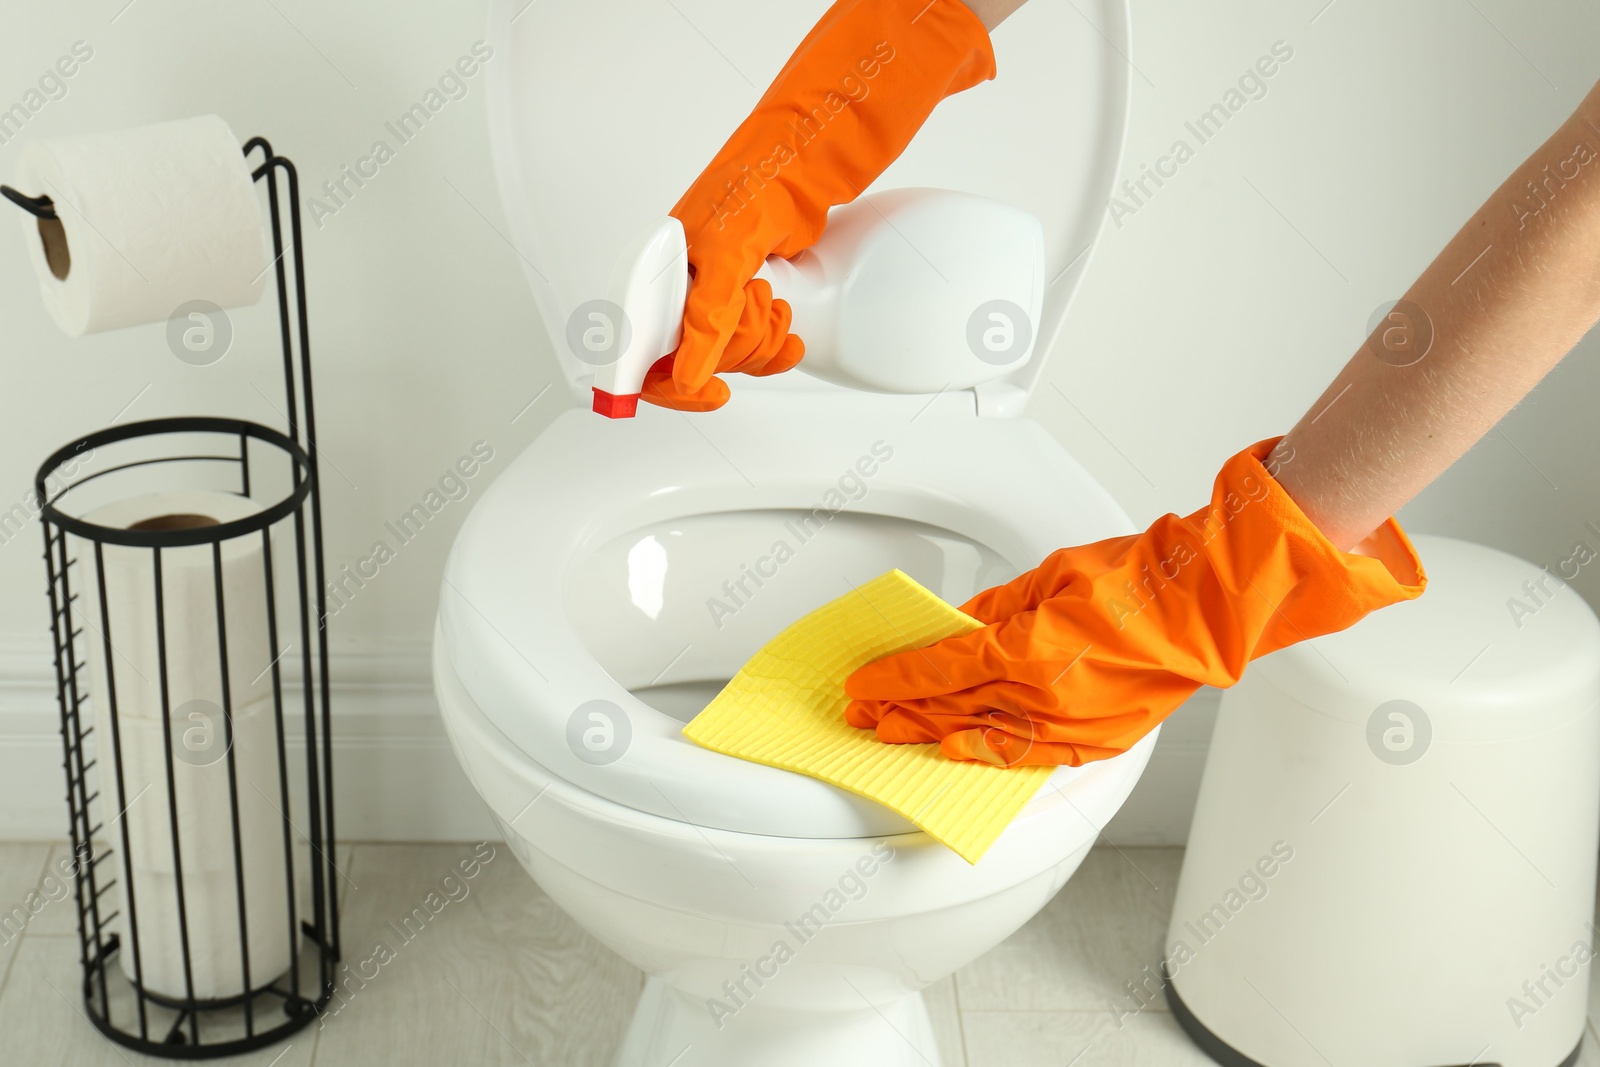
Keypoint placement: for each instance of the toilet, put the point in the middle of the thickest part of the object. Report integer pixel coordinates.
(618, 572)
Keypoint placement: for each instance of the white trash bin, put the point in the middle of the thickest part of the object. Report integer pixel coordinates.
(1392, 861)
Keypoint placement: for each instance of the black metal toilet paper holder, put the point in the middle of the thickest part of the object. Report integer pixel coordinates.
(38, 206)
(270, 1007)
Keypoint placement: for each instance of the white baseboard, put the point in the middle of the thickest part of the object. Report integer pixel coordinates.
(396, 779)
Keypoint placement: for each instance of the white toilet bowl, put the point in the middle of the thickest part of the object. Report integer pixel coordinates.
(617, 573)
(781, 920)
(749, 960)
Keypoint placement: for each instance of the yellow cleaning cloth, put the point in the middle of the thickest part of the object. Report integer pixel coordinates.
(785, 708)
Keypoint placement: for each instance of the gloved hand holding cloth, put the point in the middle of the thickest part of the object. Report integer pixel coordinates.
(1086, 654)
(841, 110)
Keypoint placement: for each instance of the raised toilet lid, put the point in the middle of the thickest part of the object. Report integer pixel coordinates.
(602, 112)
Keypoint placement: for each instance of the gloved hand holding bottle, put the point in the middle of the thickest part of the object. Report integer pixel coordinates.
(841, 110)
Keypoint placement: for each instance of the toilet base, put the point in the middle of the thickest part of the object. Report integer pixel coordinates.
(670, 1027)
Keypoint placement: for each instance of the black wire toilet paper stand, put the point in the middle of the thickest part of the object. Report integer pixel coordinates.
(118, 948)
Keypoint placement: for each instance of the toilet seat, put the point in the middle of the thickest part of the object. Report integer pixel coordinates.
(509, 618)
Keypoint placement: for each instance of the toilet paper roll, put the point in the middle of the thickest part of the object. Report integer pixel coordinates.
(193, 651)
(149, 219)
(206, 846)
(196, 735)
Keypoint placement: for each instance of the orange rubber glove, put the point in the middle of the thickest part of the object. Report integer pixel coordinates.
(839, 112)
(1083, 656)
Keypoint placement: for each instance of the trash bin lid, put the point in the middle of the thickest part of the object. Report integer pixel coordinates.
(1495, 648)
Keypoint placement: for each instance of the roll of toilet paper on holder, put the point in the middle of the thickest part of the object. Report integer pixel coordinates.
(149, 220)
(211, 907)
(195, 733)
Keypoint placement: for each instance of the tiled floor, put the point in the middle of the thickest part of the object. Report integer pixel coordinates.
(501, 976)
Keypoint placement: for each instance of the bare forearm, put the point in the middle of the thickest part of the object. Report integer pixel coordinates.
(993, 12)
(1510, 294)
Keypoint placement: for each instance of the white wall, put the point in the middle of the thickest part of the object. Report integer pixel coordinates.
(1210, 317)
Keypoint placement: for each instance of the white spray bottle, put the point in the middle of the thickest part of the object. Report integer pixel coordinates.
(907, 291)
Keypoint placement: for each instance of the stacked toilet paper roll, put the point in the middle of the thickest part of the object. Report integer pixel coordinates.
(194, 653)
(192, 739)
(149, 220)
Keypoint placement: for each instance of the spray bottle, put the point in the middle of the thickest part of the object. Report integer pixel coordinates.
(907, 291)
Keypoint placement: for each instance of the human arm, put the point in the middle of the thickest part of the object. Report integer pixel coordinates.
(1510, 295)
(993, 12)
